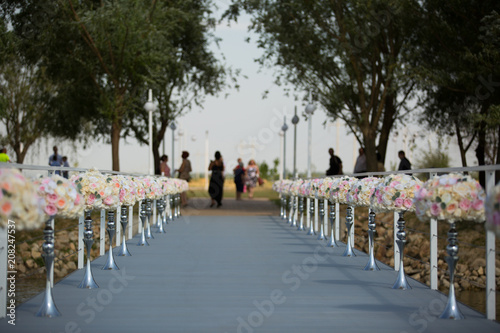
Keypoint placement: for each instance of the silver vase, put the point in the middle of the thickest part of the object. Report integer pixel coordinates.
(124, 252)
(48, 307)
(142, 214)
(321, 213)
(88, 238)
(349, 252)
(301, 213)
(311, 220)
(110, 261)
(372, 263)
(401, 282)
(451, 311)
(332, 216)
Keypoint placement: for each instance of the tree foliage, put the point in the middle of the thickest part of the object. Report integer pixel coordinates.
(351, 55)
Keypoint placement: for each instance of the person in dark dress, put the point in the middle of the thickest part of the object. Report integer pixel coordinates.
(216, 185)
(239, 177)
(404, 164)
(335, 164)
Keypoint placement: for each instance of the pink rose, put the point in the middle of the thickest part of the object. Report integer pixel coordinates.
(50, 210)
(451, 208)
(77, 199)
(408, 203)
(109, 201)
(398, 202)
(52, 198)
(478, 204)
(465, 204)
(435, 209)
(91, 199)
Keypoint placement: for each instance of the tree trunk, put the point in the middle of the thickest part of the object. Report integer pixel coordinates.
(387, 123)
(157, 139)
(497, 173)
(460, 140)
(116, 128)
(481, 148)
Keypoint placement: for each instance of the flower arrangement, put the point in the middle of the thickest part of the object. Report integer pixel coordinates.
(324, 188)
(315, 188)
(492, 209)
(152, 187)
(340, 188)
(127, 189)
(295, 187)
(361, 190)
(305, 189)
(19, 201)
(60, 196)
(395, 193)
(451, 197)
(99, 191)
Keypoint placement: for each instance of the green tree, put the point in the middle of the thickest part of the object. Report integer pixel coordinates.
(351, 55)
(459, 72)
(264, 171)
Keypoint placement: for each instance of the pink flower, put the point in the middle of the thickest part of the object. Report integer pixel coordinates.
(478, 204)
(52, 198)
(50, 210)
(435, 209)
(398, 202)
(91, 199)
(465, 204)
(451, 208)
(77, 199)
(109, 201)
(408, 203)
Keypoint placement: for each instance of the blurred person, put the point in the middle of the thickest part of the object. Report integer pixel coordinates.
(55, 163)
(65, 163)
(184, 173)
(55, 155)
(3, 156)
(252, 177)
(335, 164)
(216, 186)
(360, 165)
(404, 163)
(164, 168)
(239, 178)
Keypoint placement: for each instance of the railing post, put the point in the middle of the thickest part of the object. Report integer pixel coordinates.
(433, 253)
(325, 218)
(308, 208)
(3, 272)
(353, 227)
(118, 227)
(130, 222)
(316, 215)
(394, 245)
(337, 221)
(490, 259)
(139, 221)
(80, 242)
(102, 234)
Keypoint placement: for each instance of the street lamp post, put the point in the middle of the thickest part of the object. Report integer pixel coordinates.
(310, 108)
(284, 129)
(173, 127)
(295, 120)
(150, 107)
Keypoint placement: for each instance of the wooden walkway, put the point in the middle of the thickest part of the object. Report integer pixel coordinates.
(241, 274)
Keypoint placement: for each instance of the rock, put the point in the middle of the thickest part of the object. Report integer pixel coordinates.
(480, 271)
(71, 266)
(72, 246)
(465, 284)
(73, 236)
(30, 263)
(21, 268)
(478, 262)
(461, 268)
(416, 276)
(23, 247)
(497, 271)
(445, 283)
(35, 253)
(389, 253)
(62, 237)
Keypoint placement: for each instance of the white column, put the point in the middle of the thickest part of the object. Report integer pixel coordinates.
(81, 249)
(118, 226)
(3, 272)
(326, 217)
(490, 259)
(102, 234)
(130, 225)
(395, 245)
(352, 228)
(316, 215)
(434, 254)
(337, 221)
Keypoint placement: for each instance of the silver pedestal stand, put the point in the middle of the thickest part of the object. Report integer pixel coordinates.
(110, 261)
(401, 282)
(149, 212)
(289, 218)
(292, 212)
(331, 241)
(301, 214)
(88, 238)
(321, 211)
(124, 221)
(311, 220)
(372, 264)
(171, 207)
(160, 207)
(48, 307)
(452, 311)
(349, 252)
(282, 207)
(142, 214)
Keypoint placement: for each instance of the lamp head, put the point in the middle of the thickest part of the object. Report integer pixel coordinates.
(172, 126)
(310, 108)
(150, 106)
(295, 119)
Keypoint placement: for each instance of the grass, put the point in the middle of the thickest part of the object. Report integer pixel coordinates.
(197, 190)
